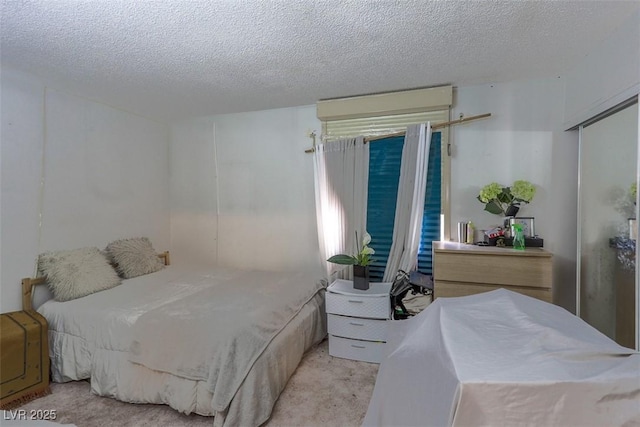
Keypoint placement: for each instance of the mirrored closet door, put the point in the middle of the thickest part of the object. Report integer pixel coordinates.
(607, 227)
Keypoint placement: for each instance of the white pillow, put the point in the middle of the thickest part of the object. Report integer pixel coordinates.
(134, 257)
(76, 273)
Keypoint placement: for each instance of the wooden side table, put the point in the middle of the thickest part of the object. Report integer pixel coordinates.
(24, 358)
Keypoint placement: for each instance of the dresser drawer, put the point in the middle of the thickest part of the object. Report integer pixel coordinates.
(443, 289)
(358, 328)
(378, 307)
(366, 351)
(498, 269)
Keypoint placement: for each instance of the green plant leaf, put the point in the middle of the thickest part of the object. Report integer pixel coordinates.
(343, 259)
(505, 196)
(493, 208)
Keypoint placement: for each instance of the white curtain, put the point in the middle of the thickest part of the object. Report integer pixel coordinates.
(410, 203)
(341, 170)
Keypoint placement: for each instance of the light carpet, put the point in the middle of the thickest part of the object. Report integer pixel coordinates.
(323, 391)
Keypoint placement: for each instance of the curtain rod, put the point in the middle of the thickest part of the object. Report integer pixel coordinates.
(436, 126)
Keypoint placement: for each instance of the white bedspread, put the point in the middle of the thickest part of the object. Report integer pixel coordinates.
(216, 334)
(501, 358)
(103, 320)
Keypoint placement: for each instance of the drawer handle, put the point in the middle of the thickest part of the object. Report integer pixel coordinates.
(357, 346)
(356, 301)
(356, 324)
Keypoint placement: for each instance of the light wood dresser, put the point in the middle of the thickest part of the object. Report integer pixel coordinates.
(460, 269)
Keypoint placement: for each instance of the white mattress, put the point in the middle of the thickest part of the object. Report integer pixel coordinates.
(501, 358)
(90, 338)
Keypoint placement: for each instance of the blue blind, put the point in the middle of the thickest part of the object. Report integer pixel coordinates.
(385, 156)
(384, 173)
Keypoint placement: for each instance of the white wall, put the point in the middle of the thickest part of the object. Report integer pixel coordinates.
(21, 136)
(256, 202)
(105, 175)
(194, 193)
(523, 139)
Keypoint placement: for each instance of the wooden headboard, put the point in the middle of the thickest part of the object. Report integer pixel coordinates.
(28, 283)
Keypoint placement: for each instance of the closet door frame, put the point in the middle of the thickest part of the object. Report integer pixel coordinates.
(623, 105)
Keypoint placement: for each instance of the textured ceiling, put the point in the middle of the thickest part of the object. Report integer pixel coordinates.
(173, 59)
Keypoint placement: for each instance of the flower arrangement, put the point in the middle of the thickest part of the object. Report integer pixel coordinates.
(499, 199)
(362, 257)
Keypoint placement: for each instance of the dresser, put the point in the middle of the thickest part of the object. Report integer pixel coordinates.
(460, 269)
(357, 320)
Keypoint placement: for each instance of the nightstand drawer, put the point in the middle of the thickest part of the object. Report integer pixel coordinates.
(443, 289)
(358, 328)
(378, 307)
(367, 351)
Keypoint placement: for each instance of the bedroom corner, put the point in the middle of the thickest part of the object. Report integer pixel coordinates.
(242, 190)
(75, 173)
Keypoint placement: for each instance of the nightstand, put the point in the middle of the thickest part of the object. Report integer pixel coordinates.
(24, 357)
(357, 320)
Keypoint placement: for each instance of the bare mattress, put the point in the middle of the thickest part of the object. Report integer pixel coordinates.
(219, 343)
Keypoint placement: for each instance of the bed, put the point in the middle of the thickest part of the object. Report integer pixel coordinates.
(215, 342)
(502, 358)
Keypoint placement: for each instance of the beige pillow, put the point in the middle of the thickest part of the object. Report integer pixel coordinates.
(76, 273)
(134, 257)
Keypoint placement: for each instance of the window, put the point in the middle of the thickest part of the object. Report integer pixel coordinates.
(388, 125)
(384, 172)
(386, 114)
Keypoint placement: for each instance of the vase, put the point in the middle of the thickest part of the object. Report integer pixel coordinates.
(361, 277)
(512, 210)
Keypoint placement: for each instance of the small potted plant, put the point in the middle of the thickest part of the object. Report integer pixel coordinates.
(360, 262)
(505, 201)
